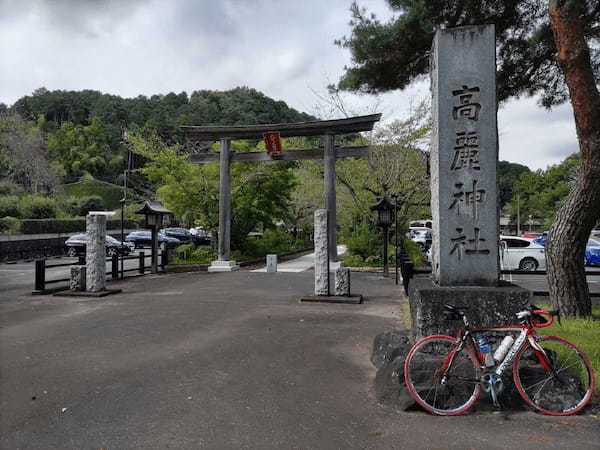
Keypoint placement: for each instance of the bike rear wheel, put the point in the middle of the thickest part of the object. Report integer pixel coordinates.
(440, 379)
(559, 385)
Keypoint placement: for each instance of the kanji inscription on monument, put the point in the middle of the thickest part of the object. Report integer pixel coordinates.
(464, 156)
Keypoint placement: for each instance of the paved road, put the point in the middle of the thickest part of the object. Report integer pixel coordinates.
(229, 360)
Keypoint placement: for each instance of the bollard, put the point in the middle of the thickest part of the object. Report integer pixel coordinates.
(142, 262)
(40, 275)
(114, 270)
(271, 263)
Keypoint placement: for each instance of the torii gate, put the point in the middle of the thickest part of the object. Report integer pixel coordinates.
(198, 135)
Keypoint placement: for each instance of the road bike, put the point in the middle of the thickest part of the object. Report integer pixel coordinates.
(445, 375)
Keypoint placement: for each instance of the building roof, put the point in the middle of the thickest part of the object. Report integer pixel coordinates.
(152, 206)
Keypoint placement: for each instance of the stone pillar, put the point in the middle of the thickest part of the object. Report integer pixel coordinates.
(223, 264)
(224, 202)
(271, 263)
(77, 282)
(464, 156)
(330, 197)
(321, 248)
(342, 281)
(95, 252)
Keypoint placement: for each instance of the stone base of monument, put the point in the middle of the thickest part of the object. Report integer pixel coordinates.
(102, 293)
(354, 299)
(223, 266)
(489, 306)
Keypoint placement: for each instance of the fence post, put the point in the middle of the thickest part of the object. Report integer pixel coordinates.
(114, 273)
(164, 258)
(142, 262)
(40, 275)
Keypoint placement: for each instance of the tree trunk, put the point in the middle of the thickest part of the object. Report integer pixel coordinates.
(581, 209)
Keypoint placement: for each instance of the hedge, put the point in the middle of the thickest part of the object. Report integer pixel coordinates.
(40, 226)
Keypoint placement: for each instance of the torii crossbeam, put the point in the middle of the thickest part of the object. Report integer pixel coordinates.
(197, 136)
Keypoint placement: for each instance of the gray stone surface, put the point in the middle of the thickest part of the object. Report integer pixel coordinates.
(342, 281)
(321, 248)
(489, 306)
(271, 263)
(95, 255)
(77, 282)
(389, 345)
(464, 157)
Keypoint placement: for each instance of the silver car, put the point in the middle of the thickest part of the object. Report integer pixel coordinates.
(518, 253)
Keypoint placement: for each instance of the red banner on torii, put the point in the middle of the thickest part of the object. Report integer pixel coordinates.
(273, 143)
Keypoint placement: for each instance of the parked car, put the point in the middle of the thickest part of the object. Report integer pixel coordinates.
(200, 236)
(76, 245)
(521, 254)
(592, 253)
(183, 234)
(144, 239)
(420, 235)
(531, 235)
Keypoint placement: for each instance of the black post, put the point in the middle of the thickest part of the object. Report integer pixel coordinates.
(396, 235)
(123, 230)
(40, 275)
(164, 258)
(386, 269)
(154, 268)
(114, 273)
(142, 262)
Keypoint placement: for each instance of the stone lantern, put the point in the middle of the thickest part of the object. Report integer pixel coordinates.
(155, 217)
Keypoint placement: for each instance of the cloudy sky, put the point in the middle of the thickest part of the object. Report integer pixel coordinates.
(283, 48)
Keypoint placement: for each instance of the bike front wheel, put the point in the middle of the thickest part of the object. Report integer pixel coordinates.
(558, 381)
(441, 379)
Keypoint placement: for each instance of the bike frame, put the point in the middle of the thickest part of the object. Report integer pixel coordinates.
(527, 334)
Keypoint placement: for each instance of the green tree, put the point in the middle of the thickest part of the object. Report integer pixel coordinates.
(85, 150)
(23, 160)
(542, 49)
(260, 192)
(508, 174)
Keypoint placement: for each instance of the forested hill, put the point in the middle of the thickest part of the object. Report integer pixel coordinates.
(165, 113)
(82, 131)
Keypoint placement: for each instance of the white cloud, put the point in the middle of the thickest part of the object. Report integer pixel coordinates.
(282, 48)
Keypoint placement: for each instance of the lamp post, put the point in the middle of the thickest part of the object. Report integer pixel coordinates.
(155, 216)
(384, 220)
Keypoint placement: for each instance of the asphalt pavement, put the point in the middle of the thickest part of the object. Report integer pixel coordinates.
(225, 360)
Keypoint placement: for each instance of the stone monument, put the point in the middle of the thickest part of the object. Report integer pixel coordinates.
(321, 253)
(95, 253)
(464, 156)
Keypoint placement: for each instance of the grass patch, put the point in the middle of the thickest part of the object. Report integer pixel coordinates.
(585, 334)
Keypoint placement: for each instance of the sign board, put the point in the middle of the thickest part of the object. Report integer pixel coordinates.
(273, 143)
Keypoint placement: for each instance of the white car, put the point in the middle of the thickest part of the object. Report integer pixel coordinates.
(420, 235)
(518, 253)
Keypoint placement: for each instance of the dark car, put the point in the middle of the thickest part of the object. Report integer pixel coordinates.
(200, 236)
(76, 245)
(183, 234)
(144, 239)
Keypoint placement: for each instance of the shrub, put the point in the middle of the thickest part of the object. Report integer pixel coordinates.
(67, 225)
(9, 206)
(36, 207)
(413, 250)
(10, 225)
(91, 203)
(353, 261)
(363, 240)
